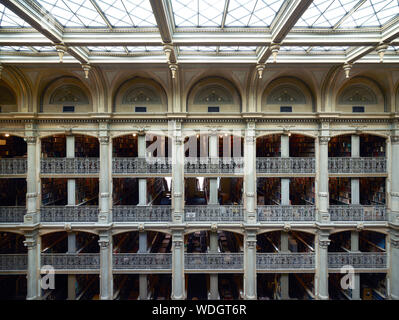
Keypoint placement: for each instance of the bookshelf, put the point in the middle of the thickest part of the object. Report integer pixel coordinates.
(372, 146)
(340, 146)
(302, 191)
(54, 146)
(125, 191)
(86, 146)
(268, 146)
(125, 146)
(373, 191)
(269, 191)
(301, 146)
(86, 192)
(54, 192)
(12, 146)
(340, 191)
(12, 192)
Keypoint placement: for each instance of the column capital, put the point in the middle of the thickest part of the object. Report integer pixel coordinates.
(30, 139)
(104, 243)
(104, 139)
(395, 139)
(324, 139)
(31, 240)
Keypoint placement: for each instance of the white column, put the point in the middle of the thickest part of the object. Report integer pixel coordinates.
(213, 277)
(142, 181)
(177, 171)
(285, 182)
(32, 242)
(322, 175)
(355, 248)
(143, 284)
(70, 153)
(213, 182)
(393, 264)
(394, 178)
(104, 178)
(250, 173)
(106, 276)
(355, 182)
(71, 277)
(32, 215)
(178, 284)
(250, 265)
(284, 278)
(321, 281)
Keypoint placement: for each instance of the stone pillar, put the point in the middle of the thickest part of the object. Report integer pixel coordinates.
(178, 283)
(355, 182)
(106, 276)
(250, 265)
(250, 173)
(393, 265)
(142, 181)
(322, 174)
(284, 278)
(71, 277)
(394, 178)
(32, 215)
(213, 182)
(177, 171)
(70, 153)
(355, 248)
(321, 281)
(105, 215)
(213, 277)
(143, 284)
(32, 242)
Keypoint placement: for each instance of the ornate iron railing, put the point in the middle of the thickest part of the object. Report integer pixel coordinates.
(142, 213)
(141, 165)
(285, 165)
(360, 260)
(13, 166)
(357, 165)
(12, 214)
(13, 262)
(286, 213)
(68, 261)
(69, 214)
(213, 261)
(214, 165)
(69, 165)
(214, 213)
(357, 213)
(135, 261)
(295, 260)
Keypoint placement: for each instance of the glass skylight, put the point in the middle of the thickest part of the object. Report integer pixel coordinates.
(10, 19)
(15, 48)
(197, 48)
(145, 49)
(198, 13)
(106, 49)
(237, 48)
(308, 49)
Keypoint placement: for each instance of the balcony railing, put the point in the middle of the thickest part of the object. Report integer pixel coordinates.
(69, 214)
(67, 261)
(142, 213)
(357, 165)
(13, 166)
(141, 165)
(282, 261)
(213, 261)
(286, 213)
(359, 260)
(214, 165)
(13, 262)
(214, 213)
(69, 165)
(357, 213)
(12, 214)
(285, 165)
(137, 261)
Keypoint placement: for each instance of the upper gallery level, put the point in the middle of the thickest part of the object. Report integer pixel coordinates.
(231, 91)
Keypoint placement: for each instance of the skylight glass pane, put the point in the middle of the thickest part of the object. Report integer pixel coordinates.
(74, 13)
(198, 13)
(128, 13)
(197, 48)
(252, 13)
(10, 19)
(106, 49)
(237, 48)
(145, 49)
(15, 48)
(45, 49)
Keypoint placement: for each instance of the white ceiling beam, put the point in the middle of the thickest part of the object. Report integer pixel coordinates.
(349, 13)
(358, 53)
(164, 17)
(101, 13)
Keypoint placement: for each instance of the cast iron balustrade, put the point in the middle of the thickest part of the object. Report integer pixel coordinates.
(69, 165)
(142, 213)
(285, 165)
(212, 165)
(358, 260)
(285, 261)
(69, 214)
(214, 261)
(357, 165)
(70, 261)
(214, 213)
(286, 213)
(141, 261)
(357, 213)
(13, 262)
(13, 166)
(141, 165)
(12, 214)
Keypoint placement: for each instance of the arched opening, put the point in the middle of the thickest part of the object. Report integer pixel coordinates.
(8, 100)
(74, 146)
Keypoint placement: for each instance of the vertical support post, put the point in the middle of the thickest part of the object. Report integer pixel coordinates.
(106, 276)
(355, 182)
(178, 287)
(105, 175)
(70, 153)
(142, 181)
(213, 182)
(322, 175)
(250, 265)
(32, 215)
(213, 277)
(355, 248)
(250, 173)
(285, 182)
(177, 171)
(394, 177)
(284, 278)
(71, 277)
(393, 265)
(32, 242)
(143, 284)
(323, 242)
